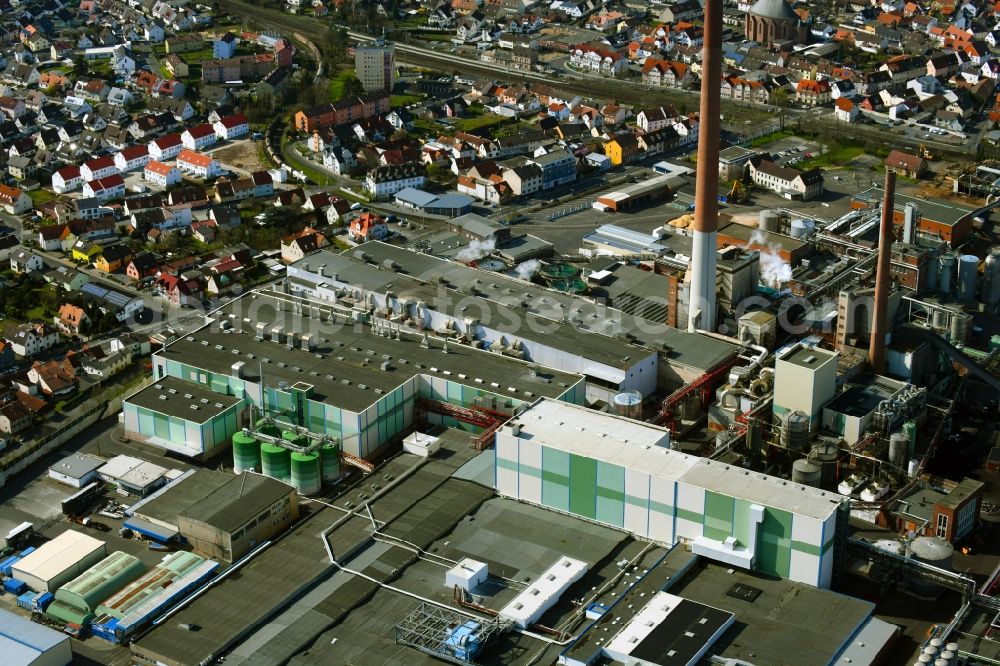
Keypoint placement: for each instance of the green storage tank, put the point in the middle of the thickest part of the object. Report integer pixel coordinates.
(294, 437)
(269, 429)
(246, 453)
(329, 463)
(305, 473)
(275, 462)
(910, 430)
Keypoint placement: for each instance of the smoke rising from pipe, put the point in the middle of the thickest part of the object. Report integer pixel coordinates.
(526, 269)
(476, 250)
(774, 270)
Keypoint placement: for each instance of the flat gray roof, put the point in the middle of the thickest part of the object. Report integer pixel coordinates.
(939, 211)
(743, 233)
(175, 498)
(816, 622)
(238, 500)
(865, 395)
(77, 465)
(801, 357)
(345, 367)
(588, 333)
(185, 400)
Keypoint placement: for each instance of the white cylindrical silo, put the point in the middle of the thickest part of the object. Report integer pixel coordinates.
(768, 220)
(899, 449)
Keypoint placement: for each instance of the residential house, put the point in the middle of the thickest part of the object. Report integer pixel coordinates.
(199, 137)
(181, 291)
(299, 245)
(15, 201)
(232, 127)
(71, 319)
(558, 167)
(103, 189)
(785, 181)
(387, 180)
(31, 339)
(52, 379)
(368, 226)
(132, 158)
(845, 110)
(669, 73)
(622, 149)
(85, 251)
(198, 164)
(812, 92)
(66, 179)
(161, 174)
(25, 261)
(50, 237)
(909, 165)
(142, 265)
(225, 46)
(14, 418)
(98, 167)
(650, 120)
(113, 258)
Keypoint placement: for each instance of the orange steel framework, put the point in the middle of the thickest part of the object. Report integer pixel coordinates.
(488, 419)
(706, 384)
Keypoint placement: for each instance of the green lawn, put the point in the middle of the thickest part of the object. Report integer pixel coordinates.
(771, 138)
(300, 163)
(837, 156)
(338, 82)
(479, 122)
(37, 312)
(397, 101)
(41, 196)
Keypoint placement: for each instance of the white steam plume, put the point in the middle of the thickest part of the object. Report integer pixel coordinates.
(476, 250)
(528, 268)
(774, 270)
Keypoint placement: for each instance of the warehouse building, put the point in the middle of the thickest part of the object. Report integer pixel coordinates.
(622, 473)
(294, 359)
(240, 515)
(136, 476)
(59, 561)
(76, 602)
(76, 470)
(149, 596)
(637, 195)
(155, 516)
(26, 643)
(183, 417)
(555, 329)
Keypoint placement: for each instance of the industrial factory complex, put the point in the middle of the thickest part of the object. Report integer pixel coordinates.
(749, 438)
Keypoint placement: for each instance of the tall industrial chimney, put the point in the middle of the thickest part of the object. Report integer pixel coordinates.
(876, 346)
(702, 308)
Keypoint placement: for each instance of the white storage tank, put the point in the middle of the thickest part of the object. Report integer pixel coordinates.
(628, 403)
(899, 449)
(968, 275)
(794, 430)
(768, 220)
(933, 551)
(807, 472)
(890, 546)
(802, 228)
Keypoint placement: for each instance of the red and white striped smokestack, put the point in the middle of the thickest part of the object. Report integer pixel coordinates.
(702, 307)
(883, 276)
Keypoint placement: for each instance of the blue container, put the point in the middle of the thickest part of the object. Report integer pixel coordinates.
(5, 565)
(14, 586)
(27, 551)
(42, 601)
(25, 600)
